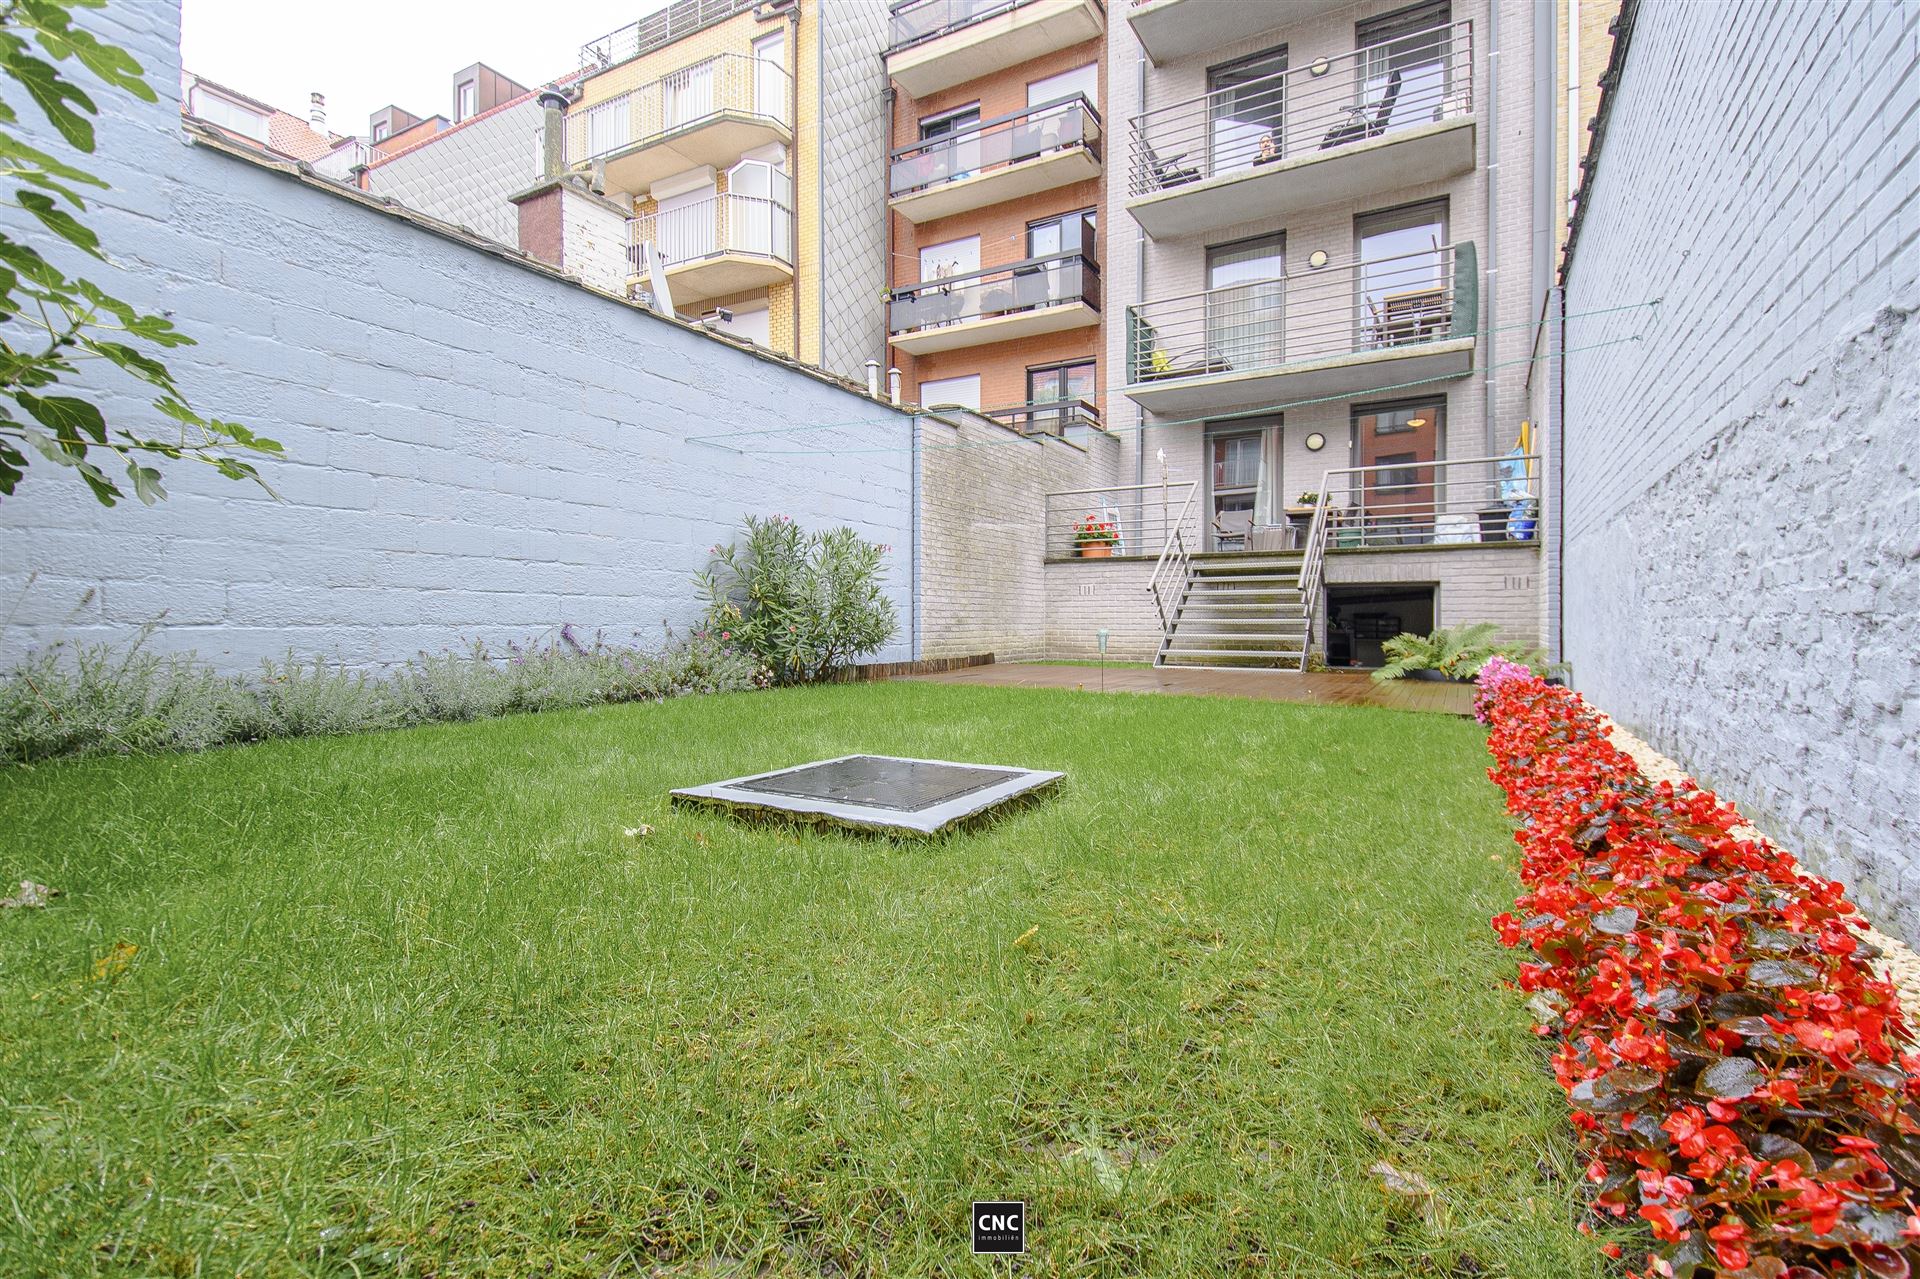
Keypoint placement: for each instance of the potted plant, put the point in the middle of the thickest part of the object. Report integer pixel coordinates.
(1307, 499)
(1094, 538)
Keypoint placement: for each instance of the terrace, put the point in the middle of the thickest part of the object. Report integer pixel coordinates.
(1406, 318)
(1000, 159)
(936, 44)
(1389, 116)
(708, 114)
(1037, 295)
(716, 247)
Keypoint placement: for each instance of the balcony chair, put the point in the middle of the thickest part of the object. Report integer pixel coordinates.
(1232, 526)
(1357, 126)
(1167, 173)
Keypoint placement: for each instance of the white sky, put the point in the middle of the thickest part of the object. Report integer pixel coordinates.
(364, 54)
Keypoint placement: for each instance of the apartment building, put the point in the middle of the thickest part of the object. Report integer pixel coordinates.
(1331, 231)
(740, 135)
(997, 207)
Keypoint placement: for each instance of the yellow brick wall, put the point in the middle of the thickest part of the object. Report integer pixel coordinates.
(735, 35)
(804, 304)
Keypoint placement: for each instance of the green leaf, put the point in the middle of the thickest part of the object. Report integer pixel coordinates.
(141, 365)
(62, 40)
(51, 93)
(146, 483)
(13, 465)
(20, 155)
(60, 222)
(65, 415)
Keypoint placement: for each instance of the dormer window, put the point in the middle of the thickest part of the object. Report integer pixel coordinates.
(465, 97)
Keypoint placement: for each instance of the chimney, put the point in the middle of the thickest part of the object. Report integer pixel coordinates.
(317, 112)
(553, 133)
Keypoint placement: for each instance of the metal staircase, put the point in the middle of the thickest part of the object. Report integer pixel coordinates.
(1240, 610)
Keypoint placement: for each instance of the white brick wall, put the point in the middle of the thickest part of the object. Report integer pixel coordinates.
(1742, 568)
(982, 505)
(594, 240)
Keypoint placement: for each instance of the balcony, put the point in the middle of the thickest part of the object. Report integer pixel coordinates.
(1169, 29)
(1377, 119)
(997, 160)
(710, 113)
(936, 44)
(714, 248)
(1067, 419)
(1333, 332)
(1039, 295)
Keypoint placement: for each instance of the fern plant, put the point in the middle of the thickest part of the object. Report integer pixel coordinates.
(1456, 652)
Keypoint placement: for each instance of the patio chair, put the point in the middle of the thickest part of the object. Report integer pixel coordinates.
(1232, 526)
(1167, 173)
(1357, 126)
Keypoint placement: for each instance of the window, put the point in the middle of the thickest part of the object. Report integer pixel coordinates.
(382, 131)
(1404, 439)
(960, 157)
(1245, 104)
(963, 390)
(1406, 293)
(1067, 233)
(1235, 468)
(465, 97)
(1405, 66)
(1059, 382)
(229, 115)
(609, 126)
(1084, 81)
(954, 257)
(1245, 304)
(769, 75)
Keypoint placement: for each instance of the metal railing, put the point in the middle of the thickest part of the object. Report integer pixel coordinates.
(707, 228)
(658, 29)
(1441, 502)
(1048, 417)
(994, 144)
(916, 21)
(1262, 324)
(1144, 519)
(728, 82)
(1028, 285)
(1420, 78)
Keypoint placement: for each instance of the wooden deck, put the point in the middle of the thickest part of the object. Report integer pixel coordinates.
(1330, 689)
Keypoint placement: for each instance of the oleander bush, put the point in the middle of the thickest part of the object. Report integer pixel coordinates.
(806, 604)
(83, 699)
(1739, 1077)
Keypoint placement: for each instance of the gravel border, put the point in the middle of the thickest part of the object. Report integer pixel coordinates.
(1897, 963)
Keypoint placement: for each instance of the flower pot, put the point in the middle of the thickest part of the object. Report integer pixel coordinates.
(1096, 551)
(1434, 676)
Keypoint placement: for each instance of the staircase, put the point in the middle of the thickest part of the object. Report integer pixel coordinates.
(1239, 610)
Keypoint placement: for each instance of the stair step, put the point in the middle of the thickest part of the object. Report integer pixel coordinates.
(1185, 651)
(1276, 623)
(1246, 577)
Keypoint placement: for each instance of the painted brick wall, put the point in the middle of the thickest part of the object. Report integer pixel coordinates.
(1084, 596)
(1742, 573)
(476, 448)
(982, 545)
(594, 242)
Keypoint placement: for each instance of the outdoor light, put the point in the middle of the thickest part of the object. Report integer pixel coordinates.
(1316, 442)
(1317, 259)
(1416, 422)
(1320, 67)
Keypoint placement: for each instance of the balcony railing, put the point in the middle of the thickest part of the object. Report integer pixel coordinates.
(1048, 417)
(1030, 285)
(724, 224)
(1418, 79)
(1142, 519)
(916, 20)
(1437, 502)
(994, 144)
(728, 83)
(1264, 324)
(659, 29)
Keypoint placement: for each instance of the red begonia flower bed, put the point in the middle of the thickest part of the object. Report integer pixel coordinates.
(1738, 1075)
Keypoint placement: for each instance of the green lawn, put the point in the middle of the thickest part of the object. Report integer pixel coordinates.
(412, 1004)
